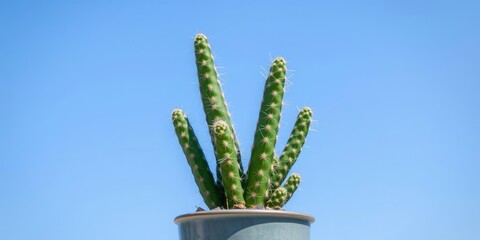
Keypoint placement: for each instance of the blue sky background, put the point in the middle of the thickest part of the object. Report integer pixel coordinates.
(87, 150)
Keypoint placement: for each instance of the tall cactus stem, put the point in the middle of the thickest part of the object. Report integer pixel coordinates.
(196, 159)
(228, 165)
(266, 135)
(294, 146)
(214, 104)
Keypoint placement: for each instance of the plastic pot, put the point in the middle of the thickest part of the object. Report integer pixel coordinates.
(244, 225)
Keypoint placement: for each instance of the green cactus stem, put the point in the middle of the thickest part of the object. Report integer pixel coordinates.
(266, 135)
(273, 171)
(228, 165)
(213, 100)
(196, 159)
(275, 165)
(262, 187)
(292, 185)
(278, 198)
(294, 146)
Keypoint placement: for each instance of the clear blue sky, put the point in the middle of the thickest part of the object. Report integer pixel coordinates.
(87, 150)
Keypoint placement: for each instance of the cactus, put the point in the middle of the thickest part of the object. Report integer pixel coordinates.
(260, 186)
(292, 185)
(196, 159)
(226, 153)
(294, 146)
(278, 198)
(213, 100)
(266, 135)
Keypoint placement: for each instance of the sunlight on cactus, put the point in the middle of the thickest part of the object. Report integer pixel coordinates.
(261, 186)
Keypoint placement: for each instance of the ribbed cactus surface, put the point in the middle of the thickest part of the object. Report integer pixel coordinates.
(266, 135)
(196, 159)
(226, 153)
(214, 104)
(294, 146)
(292, 185)
(278, 198)
(261, 186)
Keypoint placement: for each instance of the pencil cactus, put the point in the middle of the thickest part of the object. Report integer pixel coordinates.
(266, 135)
(196, 159)
(293, 147)
(261, 186)
(226, 153)
(278, 198)
(292, 185)
(214, 104)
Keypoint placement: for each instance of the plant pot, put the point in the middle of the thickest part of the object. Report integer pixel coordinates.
(240, 224)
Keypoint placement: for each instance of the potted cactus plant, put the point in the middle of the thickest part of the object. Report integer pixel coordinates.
(244, 204)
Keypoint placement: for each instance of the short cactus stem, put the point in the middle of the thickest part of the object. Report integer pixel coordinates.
(294, 146)
(196, 159)
(292, 185)
(214, 104)
(278, 198)
(266, 135)
(228, 165)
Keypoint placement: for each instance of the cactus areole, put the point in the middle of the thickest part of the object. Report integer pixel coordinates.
(266, 184)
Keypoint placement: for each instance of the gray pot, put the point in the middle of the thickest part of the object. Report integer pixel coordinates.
(244, 225)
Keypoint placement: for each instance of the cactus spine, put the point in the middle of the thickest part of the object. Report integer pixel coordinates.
(196, 159)
(214, 104)
(233, 188)
(266, 135)
(226, 153)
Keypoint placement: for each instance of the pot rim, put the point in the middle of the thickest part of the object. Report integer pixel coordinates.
(243, 212)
